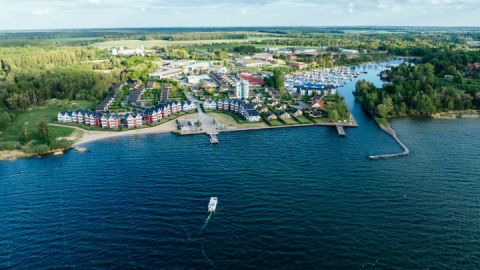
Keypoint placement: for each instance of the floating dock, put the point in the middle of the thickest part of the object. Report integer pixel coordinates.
(213, 138)
(341, 130)
(212, 205)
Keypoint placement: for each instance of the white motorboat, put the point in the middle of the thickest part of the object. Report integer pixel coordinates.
(212, 205)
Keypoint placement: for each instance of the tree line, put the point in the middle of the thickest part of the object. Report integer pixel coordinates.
(414, 90)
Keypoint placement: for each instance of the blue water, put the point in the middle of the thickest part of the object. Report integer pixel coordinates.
(300, 198)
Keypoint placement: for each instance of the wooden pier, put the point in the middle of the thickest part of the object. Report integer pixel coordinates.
(341, 130)
(213, 138)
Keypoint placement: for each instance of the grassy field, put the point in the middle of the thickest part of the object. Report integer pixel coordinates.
(167, 43)
(233, 120)
(48, 114)
(303, 120)
(275, 123)
(320, 120)
(290, 121)
(381, 121)
(466, 84)
(217, 46)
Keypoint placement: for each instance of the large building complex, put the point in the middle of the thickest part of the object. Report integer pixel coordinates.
(242, 89)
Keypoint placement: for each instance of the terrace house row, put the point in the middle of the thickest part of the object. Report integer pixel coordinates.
(108, 100)
(241, 107)
(96, 119)
(159, 112)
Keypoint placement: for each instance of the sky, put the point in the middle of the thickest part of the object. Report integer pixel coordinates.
(65, 14)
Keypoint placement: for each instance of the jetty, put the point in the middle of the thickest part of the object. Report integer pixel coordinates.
(213, 138)
(390, 131)
(341, 130)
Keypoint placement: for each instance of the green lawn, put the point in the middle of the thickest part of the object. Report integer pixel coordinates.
(290, 121)
(164, 43)
(303, 120)
(275, 123)
(381, 121)
(236, 117)
(48, 114)
(320, 120)
(57, 132)
(230, 119)
(467, 83)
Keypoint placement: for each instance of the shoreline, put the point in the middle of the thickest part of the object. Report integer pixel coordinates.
(452, 115)
(239, 129)
(85, 136)
(91, 136)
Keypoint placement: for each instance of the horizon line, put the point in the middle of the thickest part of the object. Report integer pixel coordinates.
(234, 27)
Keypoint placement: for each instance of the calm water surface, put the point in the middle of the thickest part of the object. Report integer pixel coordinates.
(288, 199)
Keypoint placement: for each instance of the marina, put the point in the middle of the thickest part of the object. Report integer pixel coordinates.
(328, 77)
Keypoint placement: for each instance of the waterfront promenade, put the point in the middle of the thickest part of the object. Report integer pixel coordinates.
(233, 129)
(206, 122)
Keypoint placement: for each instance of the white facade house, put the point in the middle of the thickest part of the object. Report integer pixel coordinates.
(166, 73)
(112, 121)
(80, 117)
(130, 120)
(197, 67)
(210, 105)
(252, 116)
(104, 121)
(263, 56)
(349, 52)
(138, 120)
(64, 117)
(242, 89)
(252, 63)
(127, 52)
(60, 117)
(74, 117)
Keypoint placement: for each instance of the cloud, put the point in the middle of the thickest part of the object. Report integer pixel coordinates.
(163, 13)
(41, 12)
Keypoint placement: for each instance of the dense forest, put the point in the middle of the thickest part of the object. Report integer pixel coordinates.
(30, 76)
(416, 90)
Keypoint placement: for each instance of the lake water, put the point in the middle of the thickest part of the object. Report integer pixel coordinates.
(300, 198)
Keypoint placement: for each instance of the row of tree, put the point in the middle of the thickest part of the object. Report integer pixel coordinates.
(414, 90)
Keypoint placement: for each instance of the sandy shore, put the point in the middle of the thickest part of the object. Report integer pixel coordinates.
(457, 114)
(86, 136)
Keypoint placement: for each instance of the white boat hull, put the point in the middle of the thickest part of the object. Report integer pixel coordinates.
(212, 205)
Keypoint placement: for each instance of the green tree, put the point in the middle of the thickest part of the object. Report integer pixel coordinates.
(5, 120)
(25, 134)
(43, 131)
(279, 81)
(333, 115)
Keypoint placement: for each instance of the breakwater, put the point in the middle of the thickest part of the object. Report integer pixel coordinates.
(390, 131)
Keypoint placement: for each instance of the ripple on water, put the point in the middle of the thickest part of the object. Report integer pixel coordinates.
(288, 199)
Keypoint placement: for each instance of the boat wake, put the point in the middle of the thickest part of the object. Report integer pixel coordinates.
(206, 222)
(206, 257)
